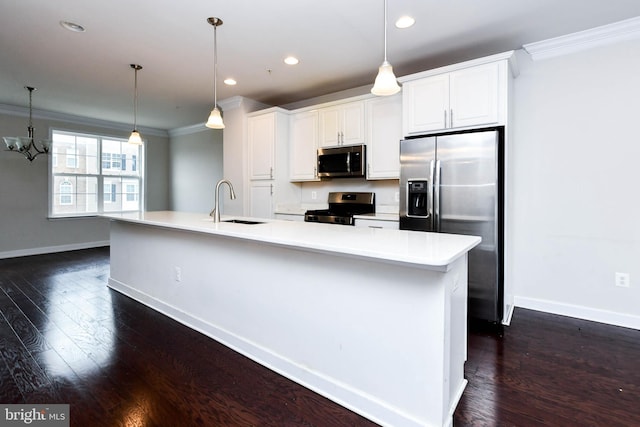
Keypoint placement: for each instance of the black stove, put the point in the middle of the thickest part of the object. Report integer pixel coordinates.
(342, 208)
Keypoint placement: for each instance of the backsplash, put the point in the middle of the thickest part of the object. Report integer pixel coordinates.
(385, 191)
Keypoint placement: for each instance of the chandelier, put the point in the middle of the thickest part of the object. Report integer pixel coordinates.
(26, 145)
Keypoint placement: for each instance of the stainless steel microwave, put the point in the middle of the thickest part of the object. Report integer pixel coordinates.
(342, 162)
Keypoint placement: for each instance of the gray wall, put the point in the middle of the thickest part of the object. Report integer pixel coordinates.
(24, 227)
(195, 168)
(574, 206)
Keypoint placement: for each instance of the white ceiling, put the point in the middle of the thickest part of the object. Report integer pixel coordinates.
(339, 44)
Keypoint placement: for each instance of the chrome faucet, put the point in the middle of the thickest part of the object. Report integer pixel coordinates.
(215, 213)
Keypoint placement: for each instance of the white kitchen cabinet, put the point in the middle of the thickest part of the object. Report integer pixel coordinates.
(261, 199)
(303, 146)
(342, 124)
(290, 217)
(468, 97)
(376, 223)
(383, 135)
(262, 146)
(268, 162)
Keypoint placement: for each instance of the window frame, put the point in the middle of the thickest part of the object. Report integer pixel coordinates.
(102, 175)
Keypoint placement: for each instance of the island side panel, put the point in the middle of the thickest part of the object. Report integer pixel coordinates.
(376, 337)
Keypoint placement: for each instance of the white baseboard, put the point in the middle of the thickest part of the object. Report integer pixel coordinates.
(52, 249)
(580, 312)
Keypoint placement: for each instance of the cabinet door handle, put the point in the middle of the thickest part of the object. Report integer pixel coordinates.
(451, 118)
(271, 172)
(315, 172)
(271, 188)
(445, 118)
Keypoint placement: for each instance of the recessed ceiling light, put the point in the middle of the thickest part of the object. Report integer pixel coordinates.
(72, 26)
(230, 81)
(405, 22)
(291, 60)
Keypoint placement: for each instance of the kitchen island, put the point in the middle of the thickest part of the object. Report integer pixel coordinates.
(373, 319)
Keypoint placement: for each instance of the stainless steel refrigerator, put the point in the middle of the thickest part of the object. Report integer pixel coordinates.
(453, 183)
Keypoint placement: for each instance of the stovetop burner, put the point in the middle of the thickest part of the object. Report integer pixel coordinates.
(342, 208)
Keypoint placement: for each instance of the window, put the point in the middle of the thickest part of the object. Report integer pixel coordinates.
(93, 174)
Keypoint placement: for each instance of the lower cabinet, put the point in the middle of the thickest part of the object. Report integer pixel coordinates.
(377, 223)
(261, 199)
(290, 217)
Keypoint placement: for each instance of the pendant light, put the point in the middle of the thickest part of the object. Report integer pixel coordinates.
(27, 146)
(135, 137)
(386, 83)
(215, 119)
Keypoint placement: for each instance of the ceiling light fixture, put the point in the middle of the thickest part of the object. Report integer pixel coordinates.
(291, 60)
(135, 137)
(72, 26)
(386, 83)
(24, 145)
(230, 82)
(215, 118)
(405, 21)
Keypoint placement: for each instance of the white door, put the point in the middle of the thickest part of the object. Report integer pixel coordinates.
(425, 104)
(261, 202)
(261, 135)
(474, 96)
(303, 146)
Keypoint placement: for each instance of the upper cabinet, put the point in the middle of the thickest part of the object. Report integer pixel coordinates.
(460, 96)
(384, 132)
(262, 145)
(342, 124)
(303, 146)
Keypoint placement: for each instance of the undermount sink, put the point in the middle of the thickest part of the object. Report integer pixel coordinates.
(243, 221)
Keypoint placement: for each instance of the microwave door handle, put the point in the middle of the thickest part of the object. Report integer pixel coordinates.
(349, 162)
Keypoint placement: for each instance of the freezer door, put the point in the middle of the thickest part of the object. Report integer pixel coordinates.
(417, 166)
(468, 202)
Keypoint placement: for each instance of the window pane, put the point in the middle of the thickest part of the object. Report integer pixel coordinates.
(74, 154)
(74, 195)
(112, 198)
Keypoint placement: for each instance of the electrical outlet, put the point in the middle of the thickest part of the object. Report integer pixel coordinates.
(177, 274)
(314, 195)
(623, 280)
(397, 196)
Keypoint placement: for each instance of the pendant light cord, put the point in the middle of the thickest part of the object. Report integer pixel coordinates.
(215, 66)
(385, 30)
(135, 98)
(30, 128)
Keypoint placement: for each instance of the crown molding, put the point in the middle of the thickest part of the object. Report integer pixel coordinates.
(575, 42)
(13, 110)
(188, 130)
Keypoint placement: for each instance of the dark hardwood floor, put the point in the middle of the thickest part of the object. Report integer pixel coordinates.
(66, 338)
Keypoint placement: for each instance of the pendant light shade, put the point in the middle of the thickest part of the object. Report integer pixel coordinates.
(135, 137)
(215, 118)
(386, 83)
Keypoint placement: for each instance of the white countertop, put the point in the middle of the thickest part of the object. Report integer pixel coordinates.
(429, 250)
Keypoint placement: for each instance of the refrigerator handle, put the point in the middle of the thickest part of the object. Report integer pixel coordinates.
(430, 196)
(436, 196)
